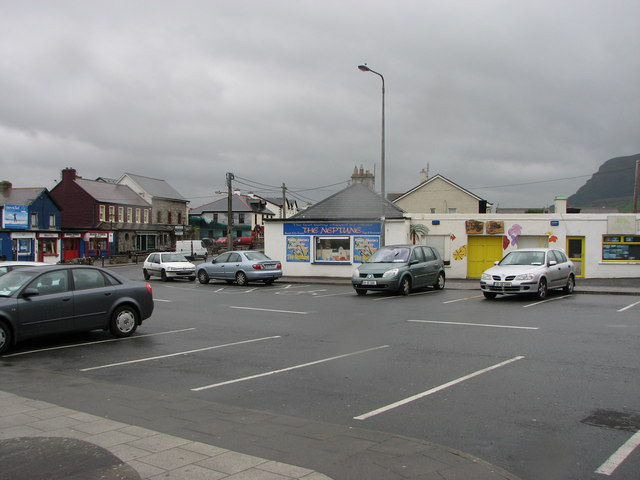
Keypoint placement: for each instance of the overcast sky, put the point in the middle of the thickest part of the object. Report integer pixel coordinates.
(499, 96)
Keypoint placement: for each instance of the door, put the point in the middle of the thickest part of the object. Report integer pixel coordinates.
(70, 249)
(576, 253)
(418, 268)
(92, 299)
(51, 311)
(433, 266)
(482, 252)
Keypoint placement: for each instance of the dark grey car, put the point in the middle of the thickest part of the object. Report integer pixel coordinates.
(400, 268)
(66, 298)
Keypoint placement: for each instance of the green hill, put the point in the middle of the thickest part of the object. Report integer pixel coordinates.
(610, 187)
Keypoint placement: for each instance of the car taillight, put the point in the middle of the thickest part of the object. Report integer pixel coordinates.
(257, 266)
(279, 266)
(149, 289)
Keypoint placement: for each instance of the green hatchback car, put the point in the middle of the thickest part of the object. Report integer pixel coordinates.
(401, 269)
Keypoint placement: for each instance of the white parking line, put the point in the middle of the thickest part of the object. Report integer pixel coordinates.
(545, 301)
(628, 307)
(273, 372)
(161, 300)
(464, 299)
(97, 342)
(400, 403)
(475, 324)
(268, 310)
(177, 354)
(614, 461)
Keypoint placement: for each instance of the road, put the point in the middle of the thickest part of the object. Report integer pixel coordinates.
(542, 389)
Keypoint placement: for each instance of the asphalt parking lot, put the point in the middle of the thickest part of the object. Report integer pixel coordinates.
(534, 387)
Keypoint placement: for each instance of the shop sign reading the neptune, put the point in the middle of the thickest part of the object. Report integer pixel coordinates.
(331, 243)
(332, 228)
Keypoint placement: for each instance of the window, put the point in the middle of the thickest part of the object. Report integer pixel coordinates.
(159, 217)
(621, 248)
(241, 218)
(121, 214)
(453, 210)
(169, 217)
(129, 215)
(112, 213)
(428, 254)
(146, 216)
(433, 210)
(52, 220)
(87, 278)
(52, 282)
(103, 215)
(34, 219)
(416, 255)
(138, 217)
(332, 249)
(179, 218)
(48, 246)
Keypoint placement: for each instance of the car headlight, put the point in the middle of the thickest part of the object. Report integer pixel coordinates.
(390, 273)
(485, 276)
(525, 276)
(356, 273)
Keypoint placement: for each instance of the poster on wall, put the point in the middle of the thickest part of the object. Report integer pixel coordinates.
(298, 249)
(474, 227)
(364, 247)
(15, 217)
(495, 228)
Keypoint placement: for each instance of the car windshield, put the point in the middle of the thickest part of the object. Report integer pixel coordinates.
(256, 256)
(173, 257)
(523, 258)
(13, 281)
(390, 255)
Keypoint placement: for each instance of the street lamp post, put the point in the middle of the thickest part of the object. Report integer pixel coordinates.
(365, 68)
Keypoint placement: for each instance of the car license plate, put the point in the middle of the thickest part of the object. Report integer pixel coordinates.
(369, 282)
(269, 267)
(502, 284)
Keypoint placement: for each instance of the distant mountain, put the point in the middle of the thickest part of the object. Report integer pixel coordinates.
(611, 186)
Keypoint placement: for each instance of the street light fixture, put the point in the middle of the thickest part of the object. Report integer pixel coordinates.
(365, 68)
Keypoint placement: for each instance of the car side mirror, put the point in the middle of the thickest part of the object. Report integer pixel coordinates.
(496, 262)
(552, 263)
(30, 292)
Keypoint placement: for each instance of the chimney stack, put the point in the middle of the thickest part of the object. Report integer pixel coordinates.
(5, 185)
(69, 174)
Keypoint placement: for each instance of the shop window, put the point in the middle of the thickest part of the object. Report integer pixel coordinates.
(332, 249)
(49, 246)
(621, 248)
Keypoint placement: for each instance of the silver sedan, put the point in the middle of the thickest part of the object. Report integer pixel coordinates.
(240, 267)
(535, 270)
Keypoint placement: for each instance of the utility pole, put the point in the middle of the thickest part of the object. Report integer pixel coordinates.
(230, 177)
(635, 188)
(283, 213)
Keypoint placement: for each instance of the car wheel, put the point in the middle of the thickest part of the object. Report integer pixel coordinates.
(241, 278)
(543, 291)
(489, 295)
(571, 284)
(361, 291)
(124, 321)
(145, 274)
(203, 277)
(405, 285)
(163, 276)
(439, 285)
(5, 337)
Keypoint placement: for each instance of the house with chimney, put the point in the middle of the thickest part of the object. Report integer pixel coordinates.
(31, 222)
(101, 218)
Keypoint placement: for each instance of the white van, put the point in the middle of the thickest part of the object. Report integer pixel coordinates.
(192, 249)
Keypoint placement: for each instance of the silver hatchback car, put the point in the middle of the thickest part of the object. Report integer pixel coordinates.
(533, 271)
